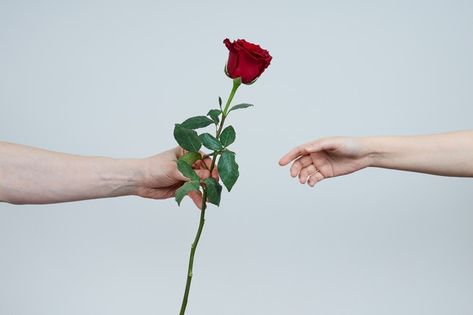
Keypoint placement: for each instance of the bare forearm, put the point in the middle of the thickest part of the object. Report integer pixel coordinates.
(34, 176)
(449, 154)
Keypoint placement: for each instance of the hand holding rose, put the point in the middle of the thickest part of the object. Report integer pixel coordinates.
(162, 178)
(36, 176)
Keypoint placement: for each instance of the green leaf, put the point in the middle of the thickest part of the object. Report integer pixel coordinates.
(228, 169)
(197, 122)
(182, 191)
(187, 138)
(187, 170)
(214, 190)
(191, 157)
(239, 106)
(220, 102)
(228, 136)
(214, 114)
(210, 142)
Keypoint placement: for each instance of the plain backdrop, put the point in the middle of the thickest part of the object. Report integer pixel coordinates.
(110, 78)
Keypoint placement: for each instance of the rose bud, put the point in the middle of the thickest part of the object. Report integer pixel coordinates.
(246, 60)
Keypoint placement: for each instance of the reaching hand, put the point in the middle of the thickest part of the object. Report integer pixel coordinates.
(162, 178)
(327, 157)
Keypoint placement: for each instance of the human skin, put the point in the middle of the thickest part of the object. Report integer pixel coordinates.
(35, 176)
(447, 154)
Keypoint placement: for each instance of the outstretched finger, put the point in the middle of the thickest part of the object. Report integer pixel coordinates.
(306, 172)
(315, 178)
(292, 155)
(305, 149)
(300, 164)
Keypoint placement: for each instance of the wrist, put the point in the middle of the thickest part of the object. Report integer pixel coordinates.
(124, 177)
(373, 151)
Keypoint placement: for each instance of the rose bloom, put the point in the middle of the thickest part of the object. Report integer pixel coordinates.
(246, 60)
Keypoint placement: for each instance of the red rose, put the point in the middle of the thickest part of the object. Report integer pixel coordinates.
(246, 60)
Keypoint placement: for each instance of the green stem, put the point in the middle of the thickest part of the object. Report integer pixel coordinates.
(236, 84)
(193, 249)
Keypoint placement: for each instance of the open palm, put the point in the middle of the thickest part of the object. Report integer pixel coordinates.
(324, 158)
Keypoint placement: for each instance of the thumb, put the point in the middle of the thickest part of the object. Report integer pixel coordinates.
(304, 149)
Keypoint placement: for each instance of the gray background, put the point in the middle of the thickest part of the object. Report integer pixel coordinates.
(111, 78)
